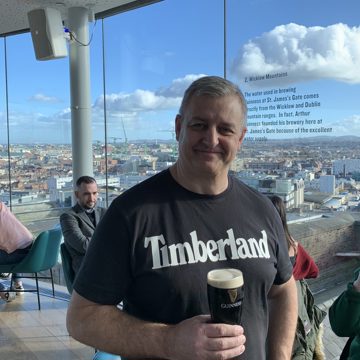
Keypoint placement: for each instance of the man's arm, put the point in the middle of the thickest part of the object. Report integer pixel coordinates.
(73, 236)
(108, 328)
(282, 320)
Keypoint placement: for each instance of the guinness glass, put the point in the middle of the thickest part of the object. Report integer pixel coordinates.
(225, 288)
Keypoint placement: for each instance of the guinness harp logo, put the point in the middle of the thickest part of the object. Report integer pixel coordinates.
(232, 294)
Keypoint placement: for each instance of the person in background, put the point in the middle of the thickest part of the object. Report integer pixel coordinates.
(344, 316)
(310, 317)
(78, 224)
(158, 240)
(15, 243)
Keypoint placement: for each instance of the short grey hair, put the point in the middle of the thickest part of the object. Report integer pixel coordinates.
(214, 86)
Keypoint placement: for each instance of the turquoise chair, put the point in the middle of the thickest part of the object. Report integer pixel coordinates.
(42, 256)
(69, 276)
(68, 271)
(100, 355)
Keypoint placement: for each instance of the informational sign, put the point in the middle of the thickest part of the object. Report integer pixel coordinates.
(299, 74)
(284, 111)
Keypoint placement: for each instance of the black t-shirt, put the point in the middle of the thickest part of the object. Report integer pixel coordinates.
(154, 246)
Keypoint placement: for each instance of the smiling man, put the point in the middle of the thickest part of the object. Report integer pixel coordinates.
(159, 239)
(78, 224)
(210, 131)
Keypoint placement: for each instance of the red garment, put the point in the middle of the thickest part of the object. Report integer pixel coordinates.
(305, 267)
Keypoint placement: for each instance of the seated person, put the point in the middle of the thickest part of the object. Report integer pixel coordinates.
(344, 315)
(15, 243)
(78, 224)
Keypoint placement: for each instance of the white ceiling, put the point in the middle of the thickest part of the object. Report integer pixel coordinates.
(13, 13)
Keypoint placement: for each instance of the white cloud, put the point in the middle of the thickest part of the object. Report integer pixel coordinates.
(127, 107)
(144, 100)
(31, 127)
(331, 52)
(139, 101)
(178, 86)
(28, 120)
(348, 126)
(136, 109)
(44, 98)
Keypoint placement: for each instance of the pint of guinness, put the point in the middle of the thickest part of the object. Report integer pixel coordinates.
(225, 288)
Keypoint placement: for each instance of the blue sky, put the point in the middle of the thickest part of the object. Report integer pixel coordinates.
(153, 53)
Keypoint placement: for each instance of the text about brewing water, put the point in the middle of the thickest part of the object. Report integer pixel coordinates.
(283, 111)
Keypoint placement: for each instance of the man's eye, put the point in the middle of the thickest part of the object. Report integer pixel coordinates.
(225, 130)
(197, 126)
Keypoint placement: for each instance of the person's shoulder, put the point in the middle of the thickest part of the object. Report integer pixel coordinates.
(156, 179)
(145, 187)
(66, 215)
(146, 192)
(249, 191)
(70, 211)
(252, 198)
(350, 295)
(242, 186)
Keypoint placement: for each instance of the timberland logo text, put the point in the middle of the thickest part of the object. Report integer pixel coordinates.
(196, 250)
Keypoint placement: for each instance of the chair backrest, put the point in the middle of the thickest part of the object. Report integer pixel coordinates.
(43, 254)
(67, 267)
(100, 355)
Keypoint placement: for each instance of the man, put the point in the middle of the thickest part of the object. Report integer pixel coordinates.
(344, 316)
(78, 224)
(158, 240)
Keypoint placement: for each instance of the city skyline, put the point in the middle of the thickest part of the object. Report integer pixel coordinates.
(288, 54)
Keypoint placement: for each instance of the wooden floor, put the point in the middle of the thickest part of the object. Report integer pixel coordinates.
(29, 334)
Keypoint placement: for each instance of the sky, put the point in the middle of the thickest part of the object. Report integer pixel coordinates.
(296, 61)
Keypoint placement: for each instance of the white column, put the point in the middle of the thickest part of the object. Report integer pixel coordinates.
(82, 151)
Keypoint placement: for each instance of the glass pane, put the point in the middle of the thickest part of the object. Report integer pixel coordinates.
(4, 163)
(299, 71)
(152, 55)
(298, 64)
(39, 118)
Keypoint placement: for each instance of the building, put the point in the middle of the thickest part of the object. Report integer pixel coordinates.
(346, 166)
(327, 184)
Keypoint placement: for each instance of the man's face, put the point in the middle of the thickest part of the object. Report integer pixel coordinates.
(87, 195)
(210, 133)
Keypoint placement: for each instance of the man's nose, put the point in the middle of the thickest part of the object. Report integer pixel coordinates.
(211, 137)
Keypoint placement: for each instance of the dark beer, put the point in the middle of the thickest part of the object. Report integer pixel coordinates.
(225, 289)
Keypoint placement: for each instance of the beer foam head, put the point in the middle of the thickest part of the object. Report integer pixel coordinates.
(225, 278)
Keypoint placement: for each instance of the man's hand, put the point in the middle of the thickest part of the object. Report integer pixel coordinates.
(197, 338)
(108, 328)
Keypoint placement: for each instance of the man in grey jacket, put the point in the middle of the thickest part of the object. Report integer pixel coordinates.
(78, 224)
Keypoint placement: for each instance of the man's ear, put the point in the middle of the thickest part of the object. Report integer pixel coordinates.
(76, 194)
(242, 136)
(178, 123)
